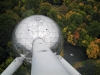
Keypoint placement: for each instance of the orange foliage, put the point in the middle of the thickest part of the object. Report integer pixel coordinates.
(93, 50)
(95, 8)
(70, 38)
(76, 35)
(77, 65)
(97, 41)
(69, 14)
(81, 4)
(88, 16)
(58, 16)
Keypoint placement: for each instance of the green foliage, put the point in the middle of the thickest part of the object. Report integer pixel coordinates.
(62, 22)
(9, 49)
(54, 2)
(53, 14)
(94, 29)
(33, 4)
(96, 16)
(84, 39)
(4, 5)
(83, 13)
(7, 23)
(97, 67)
(66, 2)
(45, 8)
(88, 8)
(90, 67)
(27, 13)
(76, 18)
(79, 21)
(3, 55)
(19, 7)
(73, 5)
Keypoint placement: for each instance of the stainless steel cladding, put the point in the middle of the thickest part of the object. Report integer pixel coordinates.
(33, 27)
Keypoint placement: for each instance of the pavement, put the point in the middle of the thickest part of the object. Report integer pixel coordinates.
(73, 53)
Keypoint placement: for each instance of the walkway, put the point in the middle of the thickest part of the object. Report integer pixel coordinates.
(74, 54)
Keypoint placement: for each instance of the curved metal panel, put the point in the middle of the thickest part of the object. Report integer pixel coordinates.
(36, 26)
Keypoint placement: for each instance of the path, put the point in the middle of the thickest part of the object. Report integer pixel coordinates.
(74, 54)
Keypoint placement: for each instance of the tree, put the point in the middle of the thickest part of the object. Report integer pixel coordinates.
(63, 9)
(7, 23)
(33, 4)
(96, 16)
(88, 9)
(19, 8)
(45, 8)
(93, 49)
(27, 13)
(73, 5)
(94, 29)
(97, 67)
(57, 2)
(76, 19)
(4, 5)
(53, 14)
(3, 55)
(88, 68)
(66, 2)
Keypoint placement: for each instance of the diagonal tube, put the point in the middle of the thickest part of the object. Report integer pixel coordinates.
(44, 62)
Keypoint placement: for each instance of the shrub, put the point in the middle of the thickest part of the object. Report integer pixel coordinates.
(88, 68)
(93, 50)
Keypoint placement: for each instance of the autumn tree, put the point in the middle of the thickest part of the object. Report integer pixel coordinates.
(63, 9)
(93, 49)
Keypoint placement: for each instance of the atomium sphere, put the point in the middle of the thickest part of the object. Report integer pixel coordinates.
(33, 27)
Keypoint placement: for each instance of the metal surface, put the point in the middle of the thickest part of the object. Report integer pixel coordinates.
(13, 66)
(71, 70)
(45, 62)
(33, 27)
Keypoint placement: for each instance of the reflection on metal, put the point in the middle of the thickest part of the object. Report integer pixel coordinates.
(69, 68)
(34, 27)
(45, 63)
(13, 66)
(35, 39)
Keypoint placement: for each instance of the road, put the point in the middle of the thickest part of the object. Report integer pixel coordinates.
(74, 54)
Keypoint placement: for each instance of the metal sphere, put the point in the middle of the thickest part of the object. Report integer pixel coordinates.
(36, 26)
